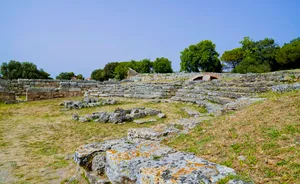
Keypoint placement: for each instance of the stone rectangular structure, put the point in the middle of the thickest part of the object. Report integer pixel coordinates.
(34, 94)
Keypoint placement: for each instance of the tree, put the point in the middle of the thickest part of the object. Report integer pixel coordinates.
(44, 75)
(80, 77)
(251, 65)
(121, 70)
(25, 70)
(109, 70)
(65, 76)
(233, 57)
(98, 75)
(145, 66)
(289, 55)
(202, 56)
(253, 56)
(162, 65)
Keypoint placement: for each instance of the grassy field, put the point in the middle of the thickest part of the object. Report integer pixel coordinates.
(36, 138)
(261, 142)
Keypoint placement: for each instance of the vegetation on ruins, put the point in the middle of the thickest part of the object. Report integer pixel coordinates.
(25, 70)
(200, 57)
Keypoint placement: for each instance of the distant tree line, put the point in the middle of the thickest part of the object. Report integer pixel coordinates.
(118, 70)
(252, 56)
(262, 56)
(24, 70)
(69, 76)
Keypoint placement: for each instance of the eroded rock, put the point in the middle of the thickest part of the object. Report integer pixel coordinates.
(161, 115)
(146, 162)
(119, 116)
(142, 121)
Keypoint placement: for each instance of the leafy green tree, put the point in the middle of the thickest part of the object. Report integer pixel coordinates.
(80, 77)
(162, 65)
(251, 65)
(289, 55)
(233, 57)
(263, 52)
(25, 70)
(202, 56)
(44, 75)
(145, 66)
(109, 70)
(65, 76)
(122, 69)
(253, 56)
(98, 75)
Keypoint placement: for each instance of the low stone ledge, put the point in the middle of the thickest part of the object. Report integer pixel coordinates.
(147, 162)
(286, 87)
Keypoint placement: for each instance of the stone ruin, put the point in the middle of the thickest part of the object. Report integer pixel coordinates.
(140, 157)
(6, 95)
(205, 77)
(119, 115)
(88, 102)
(145, 162)
(131, 72)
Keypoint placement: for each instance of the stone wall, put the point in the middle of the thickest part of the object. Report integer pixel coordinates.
(34, 94)
(20, 86)
(6, 95)
(137, 90)
(180, 76)
(145, 85)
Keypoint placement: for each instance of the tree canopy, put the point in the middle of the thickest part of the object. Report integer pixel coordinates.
(253, 56)
(119, 70)
(98, 75)
(162, 65)
(65, 76)
(233, 57)
(79, 77)
(289, 55)
(25, 70)
(202, 56)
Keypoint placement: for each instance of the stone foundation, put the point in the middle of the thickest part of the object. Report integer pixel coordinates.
(6, 96)
(34, 94)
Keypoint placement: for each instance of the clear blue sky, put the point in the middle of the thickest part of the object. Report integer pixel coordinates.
(80, 36)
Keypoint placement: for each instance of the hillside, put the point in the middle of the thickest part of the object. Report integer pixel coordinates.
(260, 142)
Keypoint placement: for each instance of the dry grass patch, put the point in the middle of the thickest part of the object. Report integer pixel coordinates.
(36, 137)
(266, 134)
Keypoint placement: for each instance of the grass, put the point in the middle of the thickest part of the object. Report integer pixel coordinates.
(35, 137)
(267, 134)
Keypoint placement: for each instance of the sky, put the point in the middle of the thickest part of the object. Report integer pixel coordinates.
(81, 36)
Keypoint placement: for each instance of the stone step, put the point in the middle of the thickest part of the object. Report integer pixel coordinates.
(220, 93)
(189, 123)
(239, 84)
(197, 97)
(210, 107)
(237, 89)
